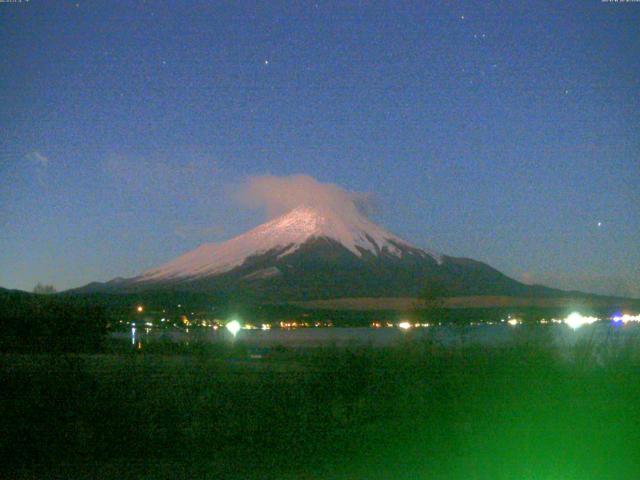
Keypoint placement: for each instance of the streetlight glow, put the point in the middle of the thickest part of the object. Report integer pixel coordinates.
(234, 327)
(575, 320)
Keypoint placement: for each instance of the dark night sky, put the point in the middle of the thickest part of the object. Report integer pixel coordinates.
(504, 131)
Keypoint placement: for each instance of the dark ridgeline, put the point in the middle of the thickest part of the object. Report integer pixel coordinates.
(34, 323)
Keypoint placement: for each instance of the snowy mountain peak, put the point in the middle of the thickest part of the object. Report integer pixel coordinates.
(286, 234)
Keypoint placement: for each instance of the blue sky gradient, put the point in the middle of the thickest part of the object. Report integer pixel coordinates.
(504, 131)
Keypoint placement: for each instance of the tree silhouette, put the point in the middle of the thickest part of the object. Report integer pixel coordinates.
(44, 289)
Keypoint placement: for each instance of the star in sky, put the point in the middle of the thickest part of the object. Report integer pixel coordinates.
(348, 90)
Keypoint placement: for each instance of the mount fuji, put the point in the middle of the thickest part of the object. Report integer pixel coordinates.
(312, 253)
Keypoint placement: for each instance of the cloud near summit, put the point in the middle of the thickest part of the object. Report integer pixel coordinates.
(278, 195)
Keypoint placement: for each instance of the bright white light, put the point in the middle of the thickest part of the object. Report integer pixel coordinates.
(513, 322)
(234, 327)
(575, 320)
(404, 325)
(133, 335)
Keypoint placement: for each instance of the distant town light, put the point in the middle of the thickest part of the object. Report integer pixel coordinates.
(404, 325)
(513, 321)
(140, 309)
(234, 327)
(626, 318)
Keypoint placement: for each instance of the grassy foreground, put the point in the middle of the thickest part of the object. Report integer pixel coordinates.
(413, 411)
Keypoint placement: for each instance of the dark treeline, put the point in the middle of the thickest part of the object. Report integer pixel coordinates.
(175, 304)
(31, 323)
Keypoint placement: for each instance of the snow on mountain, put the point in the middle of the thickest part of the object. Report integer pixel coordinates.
(285, 234)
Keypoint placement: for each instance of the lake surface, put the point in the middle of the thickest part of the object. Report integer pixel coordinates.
(447, 335)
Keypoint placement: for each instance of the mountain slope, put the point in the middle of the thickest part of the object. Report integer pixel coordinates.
(312, 253)
(284, 235)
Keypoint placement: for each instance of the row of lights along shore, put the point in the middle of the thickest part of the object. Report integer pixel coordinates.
(574, 321)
